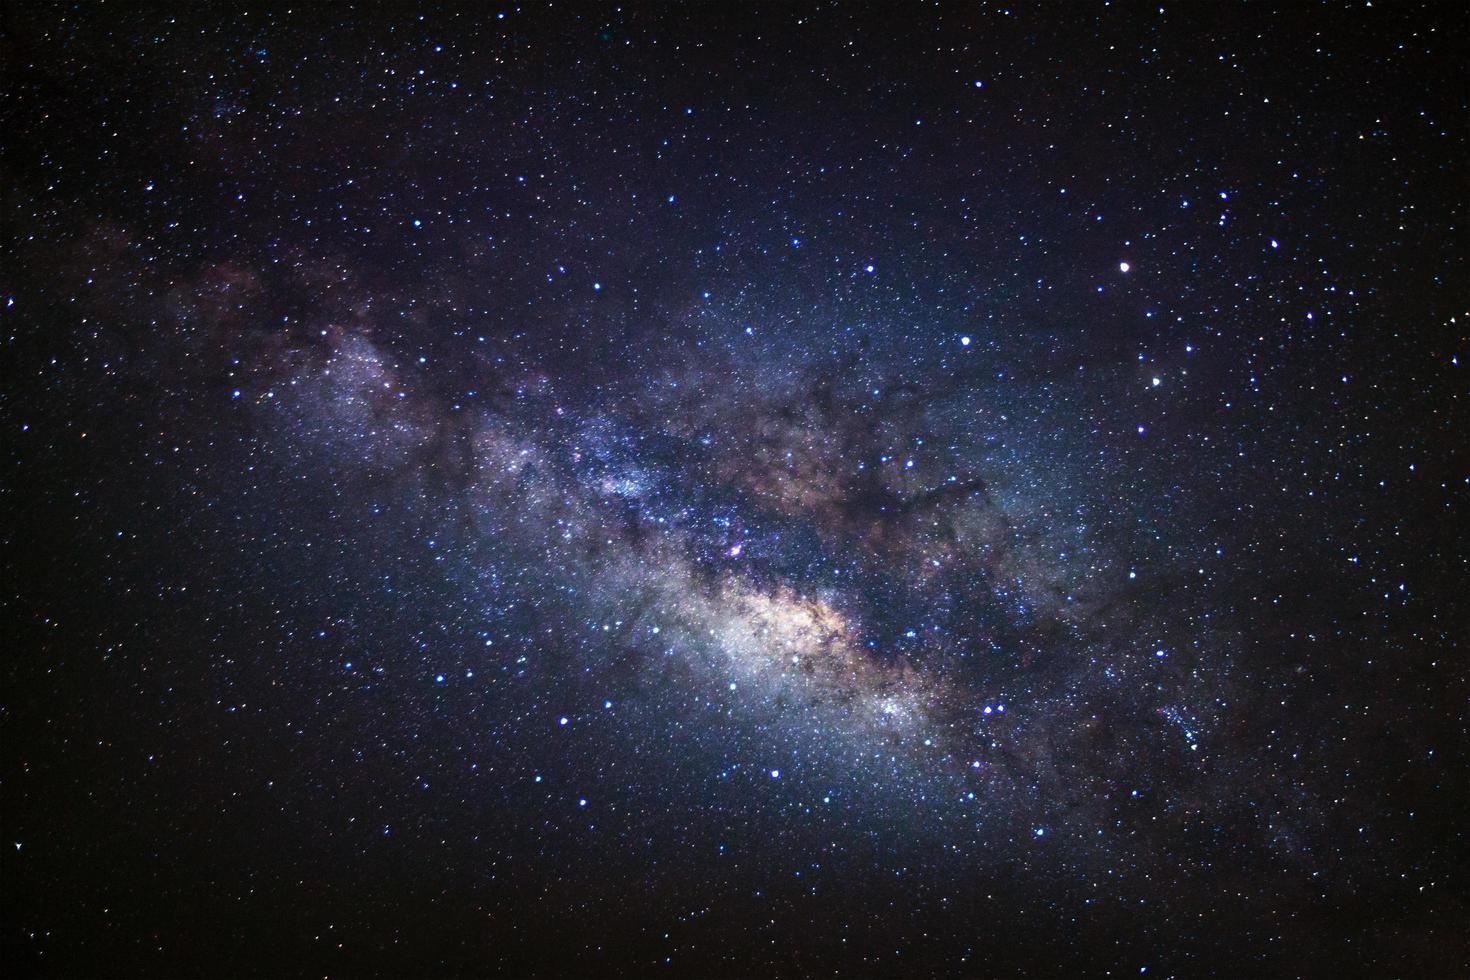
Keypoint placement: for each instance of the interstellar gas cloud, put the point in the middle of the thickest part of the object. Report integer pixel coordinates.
(734, 490)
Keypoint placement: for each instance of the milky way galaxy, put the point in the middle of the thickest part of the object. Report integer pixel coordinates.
(734, 491)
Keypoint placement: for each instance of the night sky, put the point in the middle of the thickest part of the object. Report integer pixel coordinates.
(734, 490)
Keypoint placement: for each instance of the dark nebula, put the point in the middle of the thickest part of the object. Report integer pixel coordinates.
(734, 490)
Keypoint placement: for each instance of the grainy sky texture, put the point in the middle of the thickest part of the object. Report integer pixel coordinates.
(734, 490)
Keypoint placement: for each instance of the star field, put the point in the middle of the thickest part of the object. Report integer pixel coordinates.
(734, 490)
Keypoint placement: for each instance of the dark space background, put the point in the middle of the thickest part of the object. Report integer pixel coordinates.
(734, 489)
